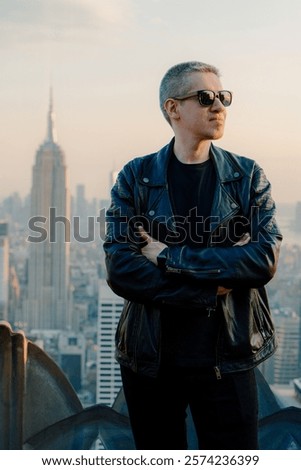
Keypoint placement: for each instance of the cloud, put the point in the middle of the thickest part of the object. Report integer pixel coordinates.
(113, 12)
(38, 20)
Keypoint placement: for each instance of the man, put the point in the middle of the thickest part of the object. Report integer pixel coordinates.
(191, 242)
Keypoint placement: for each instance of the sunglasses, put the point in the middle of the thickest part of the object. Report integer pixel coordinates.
(207, 97)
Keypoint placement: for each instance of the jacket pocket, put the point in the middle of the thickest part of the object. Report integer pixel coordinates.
(248, 323)
(126, 332)
(261, 314)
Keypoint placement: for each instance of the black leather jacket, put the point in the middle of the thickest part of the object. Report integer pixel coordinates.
(190, 276)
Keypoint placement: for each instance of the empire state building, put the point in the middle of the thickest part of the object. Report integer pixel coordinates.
(48, 305)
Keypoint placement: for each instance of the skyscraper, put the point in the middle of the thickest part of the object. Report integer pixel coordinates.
(108, 371)
(286, 357)
(47, 305)
(4, 270)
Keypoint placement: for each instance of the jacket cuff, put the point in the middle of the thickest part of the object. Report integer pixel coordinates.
(161, 258)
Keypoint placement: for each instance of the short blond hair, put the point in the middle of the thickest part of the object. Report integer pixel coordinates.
(175, 83)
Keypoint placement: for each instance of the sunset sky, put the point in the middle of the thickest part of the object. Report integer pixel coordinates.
(105, 59)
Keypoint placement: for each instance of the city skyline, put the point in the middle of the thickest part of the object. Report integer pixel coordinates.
(105, 59)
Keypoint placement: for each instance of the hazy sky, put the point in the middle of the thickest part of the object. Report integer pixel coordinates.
(105, 59)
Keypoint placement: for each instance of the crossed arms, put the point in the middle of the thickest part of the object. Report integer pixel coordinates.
(191, 275)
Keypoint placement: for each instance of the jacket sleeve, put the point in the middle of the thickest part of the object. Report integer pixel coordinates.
(129, 273)
(252, 265)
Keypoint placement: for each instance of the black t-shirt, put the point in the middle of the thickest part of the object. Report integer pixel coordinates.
(191, 189)
(189, 335)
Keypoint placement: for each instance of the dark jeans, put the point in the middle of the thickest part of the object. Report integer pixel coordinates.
(224, 412)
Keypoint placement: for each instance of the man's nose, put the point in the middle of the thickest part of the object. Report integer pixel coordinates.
(217, 105)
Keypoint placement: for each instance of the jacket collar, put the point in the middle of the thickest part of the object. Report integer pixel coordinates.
(227, 166)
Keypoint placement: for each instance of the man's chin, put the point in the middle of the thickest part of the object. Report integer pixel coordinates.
(217, 135)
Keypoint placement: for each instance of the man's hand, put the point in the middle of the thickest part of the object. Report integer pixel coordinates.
(222, 290)
(153, 247)
(243, 241)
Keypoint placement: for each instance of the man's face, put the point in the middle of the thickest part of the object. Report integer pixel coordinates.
(200, 122)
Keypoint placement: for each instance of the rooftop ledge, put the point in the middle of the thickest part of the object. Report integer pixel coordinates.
(38, 406)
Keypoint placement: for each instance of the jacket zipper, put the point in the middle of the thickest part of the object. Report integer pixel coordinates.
(217, 372)
(216, 368)
(171, 269)
(205, 271)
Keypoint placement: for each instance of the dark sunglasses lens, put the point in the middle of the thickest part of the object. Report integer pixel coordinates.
(206, 97)
(225, 98)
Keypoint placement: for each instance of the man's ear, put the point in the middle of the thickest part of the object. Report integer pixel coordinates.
(172, 108)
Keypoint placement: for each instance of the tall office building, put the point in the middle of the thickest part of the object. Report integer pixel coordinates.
(81, 203)
(4, 270)
(81, 227)
(71, 348)
(47, 305)
(286, 358)
(108, 372)
(297, 224)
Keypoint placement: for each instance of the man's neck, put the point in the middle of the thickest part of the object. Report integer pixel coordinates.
(192, 152)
